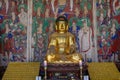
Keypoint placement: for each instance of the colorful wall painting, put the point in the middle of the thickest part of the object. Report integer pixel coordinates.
(14, 26)
(108, 26)
(13, 30)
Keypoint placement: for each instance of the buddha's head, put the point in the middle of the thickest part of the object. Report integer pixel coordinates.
(61, 24)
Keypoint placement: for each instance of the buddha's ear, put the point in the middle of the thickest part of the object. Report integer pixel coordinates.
(67, 27)
(56, 28)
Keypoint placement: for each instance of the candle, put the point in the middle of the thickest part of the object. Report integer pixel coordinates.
(80, 63)
(45, 63)
(39, 77)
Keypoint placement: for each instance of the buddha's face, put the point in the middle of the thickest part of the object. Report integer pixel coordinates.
(61, 26)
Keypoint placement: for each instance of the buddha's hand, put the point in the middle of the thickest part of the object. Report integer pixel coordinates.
(75, 57)
(70, 50)
(50, 57)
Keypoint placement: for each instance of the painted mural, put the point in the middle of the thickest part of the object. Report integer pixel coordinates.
(108, 29)
(79, 14)
(14, 21)
(13, 28)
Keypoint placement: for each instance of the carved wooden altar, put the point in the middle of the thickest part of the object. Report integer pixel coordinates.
(63, 71)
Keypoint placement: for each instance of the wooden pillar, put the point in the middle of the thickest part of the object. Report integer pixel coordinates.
(95, 54)
(29, 32)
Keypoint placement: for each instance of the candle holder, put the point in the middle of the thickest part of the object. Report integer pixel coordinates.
(45, 69)
(80, 64)
(81, 73)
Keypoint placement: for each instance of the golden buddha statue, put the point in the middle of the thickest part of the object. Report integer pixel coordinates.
(61, 48)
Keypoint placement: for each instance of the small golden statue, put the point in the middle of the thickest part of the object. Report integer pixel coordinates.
(61, 48)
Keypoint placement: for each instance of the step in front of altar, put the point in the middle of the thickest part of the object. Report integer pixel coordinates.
(21, 71)
(103, 71)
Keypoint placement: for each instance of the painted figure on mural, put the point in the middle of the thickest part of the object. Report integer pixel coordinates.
(51, 28)
(64, 7)
(61, 5)
(13, 7)
(85, 41)
(46, 19)
(85, 13)
(23, 17)
(73, 11)
(39, 46)
(16, 31)
(114, 37)
(108, 17)
(2, 35)
(114, 26)
(101, 12)
(85, 7)
(104, 51)
(37, 29)
(77, 16)
(19, 38)
(101, 8)
(101, 19)
(38, 11)
(69, 9)
(54, 9)
(116, 7)
(8, 38)
(35, 24)
(8, 41)
(38, 8)
(7, 5)
(75, 29)
(58, 7)
(13, 21)
(4, 8)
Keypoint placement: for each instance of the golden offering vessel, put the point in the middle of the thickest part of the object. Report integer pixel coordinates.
(61, 48)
